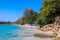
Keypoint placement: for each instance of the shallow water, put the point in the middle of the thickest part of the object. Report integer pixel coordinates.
(13, 32)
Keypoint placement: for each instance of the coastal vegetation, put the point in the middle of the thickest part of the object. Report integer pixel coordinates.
(2, 22)
(49, 11)
(29, 17)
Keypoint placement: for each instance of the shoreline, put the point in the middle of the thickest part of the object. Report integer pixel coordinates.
(37, 32)
(41, 34)
(48, 33)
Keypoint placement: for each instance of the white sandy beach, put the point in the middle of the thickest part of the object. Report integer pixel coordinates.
(30, 32)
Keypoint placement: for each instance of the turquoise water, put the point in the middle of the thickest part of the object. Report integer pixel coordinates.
(10, 32)
(14, 32)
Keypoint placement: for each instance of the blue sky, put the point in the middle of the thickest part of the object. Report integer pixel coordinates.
(11, 10)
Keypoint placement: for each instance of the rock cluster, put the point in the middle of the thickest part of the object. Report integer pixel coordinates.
(54, 27)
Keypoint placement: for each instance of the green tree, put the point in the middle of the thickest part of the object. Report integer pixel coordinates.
(29, 16)
(50, 9)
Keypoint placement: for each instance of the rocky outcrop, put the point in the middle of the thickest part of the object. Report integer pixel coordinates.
(54, 27)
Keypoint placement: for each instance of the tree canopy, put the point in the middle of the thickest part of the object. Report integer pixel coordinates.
(29, 17)
(48, 12)
(50, 9)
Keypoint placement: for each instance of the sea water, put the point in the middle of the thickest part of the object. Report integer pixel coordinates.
(13, 32)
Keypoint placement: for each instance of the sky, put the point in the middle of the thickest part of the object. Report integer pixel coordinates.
(11, 10)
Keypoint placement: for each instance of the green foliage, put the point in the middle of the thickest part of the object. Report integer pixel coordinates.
(29, 16)
(50, 9)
